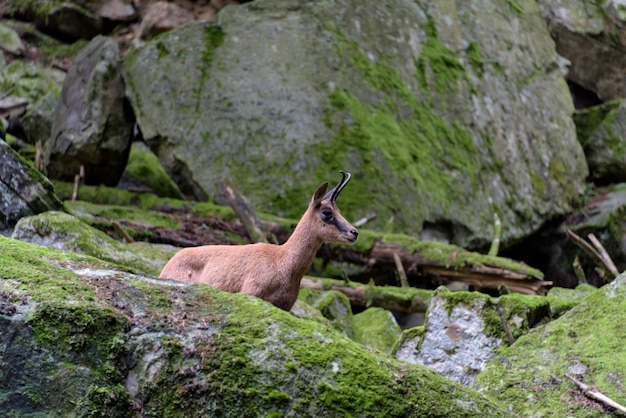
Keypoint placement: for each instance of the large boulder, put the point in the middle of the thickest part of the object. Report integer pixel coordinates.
(93, 127)
(592, 36)
(602, 132)
(586, 343)
(463, 331)
(23, 190)
(106, 342)
(441, 122)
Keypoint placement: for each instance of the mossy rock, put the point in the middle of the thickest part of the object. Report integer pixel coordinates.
(588, 342)
(145, 169)
(95, 340)
(465, 330)
(66, 232)
(333, 305)
(376, 328)
(441, 123)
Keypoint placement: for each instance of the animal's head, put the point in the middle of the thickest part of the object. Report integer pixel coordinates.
(329, 223)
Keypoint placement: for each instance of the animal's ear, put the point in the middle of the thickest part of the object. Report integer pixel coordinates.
(319, 194)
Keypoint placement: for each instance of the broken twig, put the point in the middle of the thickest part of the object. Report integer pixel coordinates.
(608, 262)
(589, 249)
(244, 210)
(594, 394)
(404, 281)
(364, 220)
(118, 228)
(77, 178)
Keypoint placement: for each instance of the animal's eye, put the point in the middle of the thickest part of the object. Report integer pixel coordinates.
(327, 214)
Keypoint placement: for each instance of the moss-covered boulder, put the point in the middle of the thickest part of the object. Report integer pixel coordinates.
(81, 337)
(588, 343)
(144, 169)
(463, 331)
(66, 232)
(441, 123)
(23, 190)
(333, 305)
(601, 132)
(376, 328)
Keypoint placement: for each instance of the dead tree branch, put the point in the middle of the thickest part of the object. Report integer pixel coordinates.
(603, 261)
(244, 210)
(594, 394)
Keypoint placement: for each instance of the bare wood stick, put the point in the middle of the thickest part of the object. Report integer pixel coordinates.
(497, 231)
(594, 394)
(38, 152)
(77, 178)
(578, 271)
(588, 248)
(364, 220)
(608, 262)
(118, 228)
(404, 281)
(244, 210)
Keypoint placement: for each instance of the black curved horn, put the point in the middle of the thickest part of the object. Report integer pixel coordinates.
(345, 178)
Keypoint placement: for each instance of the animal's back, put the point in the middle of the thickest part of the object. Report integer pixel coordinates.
(225, 267)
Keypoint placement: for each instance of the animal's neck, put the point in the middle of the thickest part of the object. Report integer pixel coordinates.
(300, 248)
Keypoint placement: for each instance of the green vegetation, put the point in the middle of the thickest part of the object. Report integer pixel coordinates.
(375, 327)
(418, 147)
(588, 341)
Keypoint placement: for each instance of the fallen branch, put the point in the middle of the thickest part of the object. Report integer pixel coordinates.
(77, 179)
(359, 223)
(393, 298)
(244, 210)
(404, 281)
(606, 259)
(594, 394)
(118, 228)
(448, 262)
(603, 261)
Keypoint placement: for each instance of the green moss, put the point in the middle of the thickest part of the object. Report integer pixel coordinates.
(415, 146)
(475, 58)
(538, 183)
(589, 337)
(445, 254)
(68, 323)
(144, 167)
(375, 327)
(518, 9)
(39, 7)
(588, 120)
(437, 66)
(77, 328)
(195, 351)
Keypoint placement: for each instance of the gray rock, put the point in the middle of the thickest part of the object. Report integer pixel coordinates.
(591, 37)
(92, 125)
(455, 343)
(441, 122)
(587, 341)
(10, 41)
(38, 120)
(107, 342)
(23, 190)
(465, 330)
(602, 132)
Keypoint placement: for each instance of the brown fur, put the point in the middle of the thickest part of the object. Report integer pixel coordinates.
(270, 272)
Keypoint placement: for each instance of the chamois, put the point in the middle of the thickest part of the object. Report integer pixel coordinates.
(268, 271)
